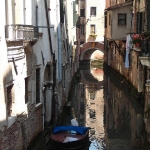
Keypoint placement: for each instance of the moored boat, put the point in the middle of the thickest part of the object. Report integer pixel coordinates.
(70, 137)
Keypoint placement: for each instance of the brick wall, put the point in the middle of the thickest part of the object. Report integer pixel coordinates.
(21, 133)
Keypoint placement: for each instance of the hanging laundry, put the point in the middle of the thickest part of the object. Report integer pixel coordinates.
(128, 47)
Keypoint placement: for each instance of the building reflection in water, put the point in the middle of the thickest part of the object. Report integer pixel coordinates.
(123, 116)
(112, 113)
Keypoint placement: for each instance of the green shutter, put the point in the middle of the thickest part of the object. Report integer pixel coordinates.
(61, 12)
(77, 1)
(75, 16)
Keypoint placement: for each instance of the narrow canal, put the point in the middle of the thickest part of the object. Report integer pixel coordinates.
(102, 102)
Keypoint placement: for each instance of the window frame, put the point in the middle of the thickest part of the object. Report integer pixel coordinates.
(93, 15)
(82, 12)
(38, 70)
(82, 30)
(94, 29)
(26, 80)
(9, 100)
(125, 19)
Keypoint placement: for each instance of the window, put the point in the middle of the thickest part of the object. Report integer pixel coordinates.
(9, 100)
(93, 11)
(105, 14)
(82, 29)
(140, 22)
(82, 11)
(121, 19)
(92, 29)
(36, 15)
(109, 19)
(92, 96)
(26, 90)
(37, 85)
(82, 42)
(63, 72)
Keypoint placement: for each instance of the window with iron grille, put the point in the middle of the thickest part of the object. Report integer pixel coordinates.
(93, 11)
(37, 85)
(26, 90)
(9, 100)
(82, 12)
(93, 29)
(121, 19)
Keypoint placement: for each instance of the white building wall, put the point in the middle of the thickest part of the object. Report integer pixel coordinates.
(19, 9)
(8, 74)
(69, 13)
(3, 65)
(71, 32)
(55, 21)
(42, 52)
(97, 20)
(27, 10)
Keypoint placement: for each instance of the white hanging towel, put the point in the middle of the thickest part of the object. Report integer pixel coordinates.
(128, 47)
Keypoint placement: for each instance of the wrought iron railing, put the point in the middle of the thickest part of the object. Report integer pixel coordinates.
(119, 50)
(144, 42)
(145, 48)
(21, 32)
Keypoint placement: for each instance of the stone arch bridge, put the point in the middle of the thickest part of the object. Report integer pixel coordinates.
(88, 48)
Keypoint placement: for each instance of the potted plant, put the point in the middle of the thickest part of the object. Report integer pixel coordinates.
(136, 39)
(146, 35)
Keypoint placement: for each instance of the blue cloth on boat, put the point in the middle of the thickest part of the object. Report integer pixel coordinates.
(80, 130)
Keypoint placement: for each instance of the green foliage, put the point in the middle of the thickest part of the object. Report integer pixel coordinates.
(136, 40)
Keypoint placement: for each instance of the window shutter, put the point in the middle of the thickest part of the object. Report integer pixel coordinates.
(77, 1)
(75, 16)
(141, 22)
(137, 22)
(105, 24)
(148, 14)
(61, 12)
(144, 46)
(82, 12)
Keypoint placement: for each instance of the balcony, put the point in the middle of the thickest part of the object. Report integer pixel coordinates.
(19, 32)
(145, 55)
(93, 34)
(144, 49)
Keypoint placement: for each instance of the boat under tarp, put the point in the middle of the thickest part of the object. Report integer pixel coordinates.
(70, 137)
(80, 130)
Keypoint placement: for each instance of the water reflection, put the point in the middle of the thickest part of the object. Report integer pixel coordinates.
(110, 111)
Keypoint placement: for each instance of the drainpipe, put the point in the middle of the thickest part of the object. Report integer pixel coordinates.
(59, 43)
(54, 64)
(135, 14)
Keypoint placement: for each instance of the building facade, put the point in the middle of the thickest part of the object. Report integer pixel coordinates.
(35, 64)
(126, 23)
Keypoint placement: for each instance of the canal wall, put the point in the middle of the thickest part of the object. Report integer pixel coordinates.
(124, 82)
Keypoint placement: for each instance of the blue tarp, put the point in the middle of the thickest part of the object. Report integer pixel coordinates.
(80, 130)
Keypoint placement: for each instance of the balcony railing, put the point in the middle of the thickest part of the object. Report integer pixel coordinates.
(143, 48)
(93, 34)
(21, 32)
(141, 42)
